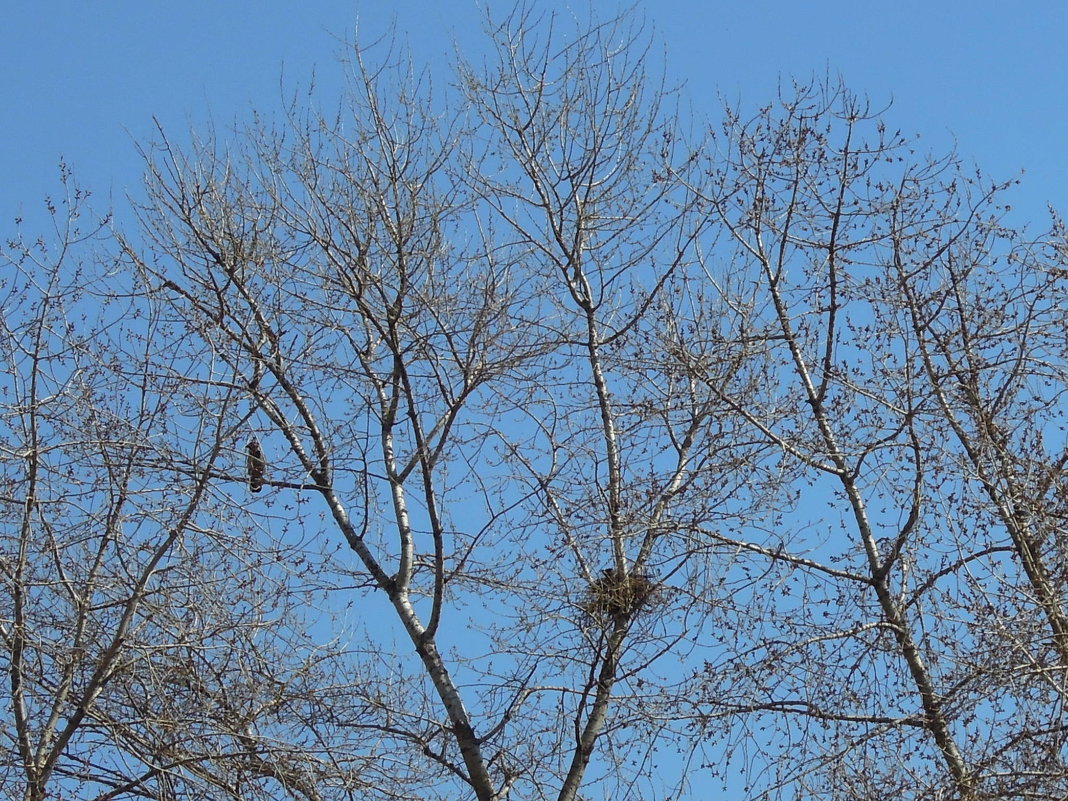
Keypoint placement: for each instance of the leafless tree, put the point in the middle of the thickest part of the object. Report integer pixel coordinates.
(151, 643)
(445, 321)
(492, 441)
(913, 646)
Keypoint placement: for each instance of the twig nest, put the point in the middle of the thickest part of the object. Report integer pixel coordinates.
(619, 596)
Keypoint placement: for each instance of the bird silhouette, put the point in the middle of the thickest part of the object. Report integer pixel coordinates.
(255, 464)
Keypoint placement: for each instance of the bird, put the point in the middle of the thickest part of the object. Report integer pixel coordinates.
(255, 464)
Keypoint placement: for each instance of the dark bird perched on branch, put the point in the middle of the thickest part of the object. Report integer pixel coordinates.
(256, 465)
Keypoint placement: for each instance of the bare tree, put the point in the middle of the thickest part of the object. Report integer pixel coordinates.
(444, 322)
(151, 646)
(913, 344)
(491, 441)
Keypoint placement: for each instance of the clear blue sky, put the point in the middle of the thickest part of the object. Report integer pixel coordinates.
(83, 80)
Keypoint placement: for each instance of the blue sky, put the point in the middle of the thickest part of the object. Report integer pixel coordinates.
(83, 80)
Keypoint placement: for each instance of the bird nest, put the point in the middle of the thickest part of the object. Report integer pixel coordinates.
(619, 596)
